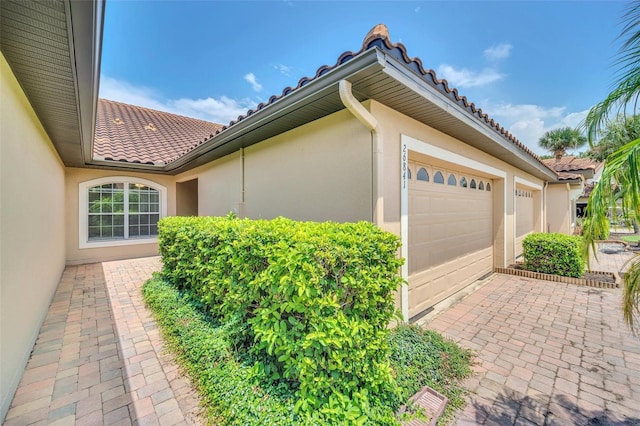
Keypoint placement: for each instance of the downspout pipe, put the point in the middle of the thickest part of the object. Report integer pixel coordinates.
(370, 122)
(377, 166)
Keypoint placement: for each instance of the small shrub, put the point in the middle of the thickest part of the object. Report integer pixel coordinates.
(311, 304)
(557, 254)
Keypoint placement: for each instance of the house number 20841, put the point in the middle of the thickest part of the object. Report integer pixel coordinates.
(404, 166)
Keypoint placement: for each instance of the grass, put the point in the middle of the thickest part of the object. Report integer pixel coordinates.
(632, 239)
(233, 394)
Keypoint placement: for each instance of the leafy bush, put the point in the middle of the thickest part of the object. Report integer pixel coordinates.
(424, 358)
(554, 253)
(235, 395)
(311, 303)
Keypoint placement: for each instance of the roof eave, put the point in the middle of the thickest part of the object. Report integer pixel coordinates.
(87, 20)
(231, 139)
(502, 148)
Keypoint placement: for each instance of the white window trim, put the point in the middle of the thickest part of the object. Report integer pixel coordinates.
(83, 211)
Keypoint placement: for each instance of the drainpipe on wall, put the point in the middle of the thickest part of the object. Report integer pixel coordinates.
(370, 122)
(544, 206)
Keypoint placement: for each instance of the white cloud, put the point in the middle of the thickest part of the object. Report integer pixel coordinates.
(218, 110)
(496, 52)
(285, 70)
(468, 78)
(251, 78)
(529, 122)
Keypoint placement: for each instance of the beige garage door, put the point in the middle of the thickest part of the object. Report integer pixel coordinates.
(450, 233)
(524, 216)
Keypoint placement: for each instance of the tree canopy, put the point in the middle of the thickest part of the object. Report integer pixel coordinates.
(559, 140)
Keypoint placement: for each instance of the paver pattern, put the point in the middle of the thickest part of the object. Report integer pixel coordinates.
(547, 353)
(99, 356)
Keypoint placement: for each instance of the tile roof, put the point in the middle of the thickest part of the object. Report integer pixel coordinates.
(187, 135)
(562, 176)
(570, 163)
(134, 134)
(378, 37)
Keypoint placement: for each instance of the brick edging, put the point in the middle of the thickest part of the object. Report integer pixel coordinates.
(559, 278)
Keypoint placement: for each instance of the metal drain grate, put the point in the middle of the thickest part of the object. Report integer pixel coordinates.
(429, 402)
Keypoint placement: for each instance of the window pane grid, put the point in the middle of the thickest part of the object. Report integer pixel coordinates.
(110, 217)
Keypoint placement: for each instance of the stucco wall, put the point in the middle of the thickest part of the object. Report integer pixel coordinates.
(76, 255)
(32, 225)
(558, 208)
(394, 124)
(319, 171)
(219, 185)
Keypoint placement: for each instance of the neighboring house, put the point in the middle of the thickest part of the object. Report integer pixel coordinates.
(578, 175)
(375, 137)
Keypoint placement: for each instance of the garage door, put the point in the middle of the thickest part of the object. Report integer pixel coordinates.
(524, 216)
(450, 232)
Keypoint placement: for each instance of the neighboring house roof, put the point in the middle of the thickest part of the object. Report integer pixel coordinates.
(134, 134)
(571, 168)
(571, 163)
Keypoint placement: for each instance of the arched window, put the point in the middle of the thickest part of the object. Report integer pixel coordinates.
(438, 178)
(481, 186)
(488, 186)
(409, 173)
(423, 175)
(472, 185)
(120, 210)
(463, 182)
(452, 180)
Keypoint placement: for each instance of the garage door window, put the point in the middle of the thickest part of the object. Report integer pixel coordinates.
(423, 175)
(438, 178)
(452, 180)
(488, 186)
(463, 182)
(481, 186)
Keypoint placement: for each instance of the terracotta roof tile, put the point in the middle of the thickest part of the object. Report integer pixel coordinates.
(134, 134)
(570, 163)
(568, 176)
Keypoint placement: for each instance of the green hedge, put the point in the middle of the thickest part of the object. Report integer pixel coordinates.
(554, 253)
(311, 304)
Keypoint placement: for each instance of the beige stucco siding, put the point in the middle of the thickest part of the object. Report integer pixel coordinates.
(319, 171)
(77, 255)
(219, 185)
(32, 225)
(558, 208)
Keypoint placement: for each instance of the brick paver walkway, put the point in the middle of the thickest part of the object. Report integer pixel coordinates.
(99, 357)
(547, 353)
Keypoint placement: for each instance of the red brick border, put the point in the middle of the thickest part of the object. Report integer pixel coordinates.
(561, 279)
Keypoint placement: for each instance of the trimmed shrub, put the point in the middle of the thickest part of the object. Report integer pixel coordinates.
(554, 253)
(310, 304)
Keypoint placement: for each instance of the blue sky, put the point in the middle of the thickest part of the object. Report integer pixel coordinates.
(533, 66)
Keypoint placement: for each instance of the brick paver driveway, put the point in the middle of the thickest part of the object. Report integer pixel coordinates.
(99, 358)
(547, 353)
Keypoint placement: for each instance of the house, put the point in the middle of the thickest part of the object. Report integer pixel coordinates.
(577, 175)
(374, 137)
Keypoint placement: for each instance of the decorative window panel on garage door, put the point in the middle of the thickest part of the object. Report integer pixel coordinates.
(524, 216)
(450, 232)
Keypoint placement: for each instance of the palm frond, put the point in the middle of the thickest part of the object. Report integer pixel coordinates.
(631, 294)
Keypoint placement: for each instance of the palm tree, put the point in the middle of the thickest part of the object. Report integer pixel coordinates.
(559, 140)
(619, 187)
